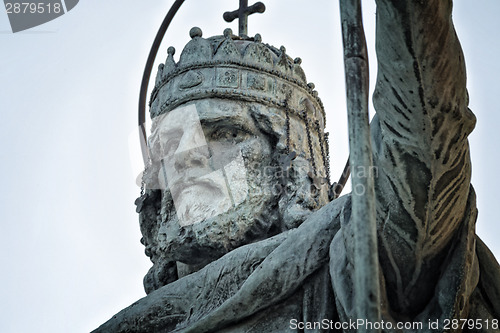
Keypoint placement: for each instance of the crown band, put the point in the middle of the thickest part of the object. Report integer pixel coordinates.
(234, 81)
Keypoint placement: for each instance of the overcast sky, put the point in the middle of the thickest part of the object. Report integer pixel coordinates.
(70, 254)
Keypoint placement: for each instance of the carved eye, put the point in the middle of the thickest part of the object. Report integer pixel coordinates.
(230, 134)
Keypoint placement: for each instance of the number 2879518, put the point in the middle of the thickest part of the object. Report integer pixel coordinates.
(33, 8)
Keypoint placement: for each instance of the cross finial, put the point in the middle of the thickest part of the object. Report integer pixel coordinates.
(242, 14)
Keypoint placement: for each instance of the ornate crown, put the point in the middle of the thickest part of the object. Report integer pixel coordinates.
(230, 66)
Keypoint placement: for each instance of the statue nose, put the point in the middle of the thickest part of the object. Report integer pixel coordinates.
(194, 158)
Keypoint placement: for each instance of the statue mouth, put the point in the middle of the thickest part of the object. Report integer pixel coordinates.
(198, 199)
(191, 186)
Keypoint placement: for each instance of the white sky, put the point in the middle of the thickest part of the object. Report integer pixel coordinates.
(70, 255)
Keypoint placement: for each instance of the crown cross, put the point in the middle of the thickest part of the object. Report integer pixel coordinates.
(242, 14)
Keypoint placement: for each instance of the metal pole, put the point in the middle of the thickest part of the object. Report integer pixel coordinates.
(147, 74)
(363, 216)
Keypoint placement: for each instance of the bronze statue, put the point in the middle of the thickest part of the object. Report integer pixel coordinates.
(238, 217)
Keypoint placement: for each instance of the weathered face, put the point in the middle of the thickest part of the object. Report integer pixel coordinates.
(205, 179)
(214, 167)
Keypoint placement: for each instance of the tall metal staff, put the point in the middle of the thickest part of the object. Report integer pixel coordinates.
(363, 216)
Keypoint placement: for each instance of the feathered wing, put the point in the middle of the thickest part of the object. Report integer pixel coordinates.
(420, 144)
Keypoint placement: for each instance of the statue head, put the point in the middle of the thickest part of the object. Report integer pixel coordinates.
(238, 152)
